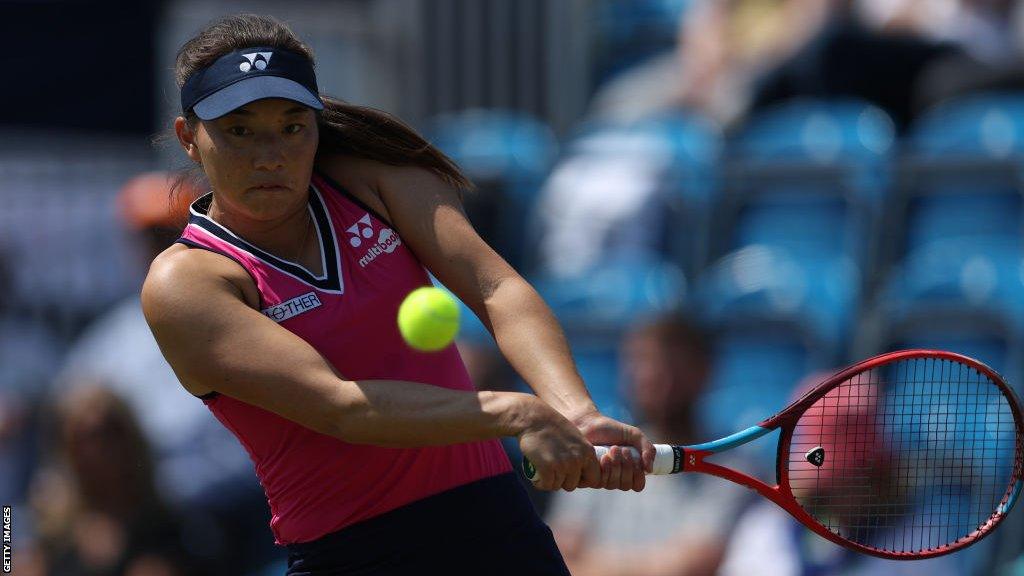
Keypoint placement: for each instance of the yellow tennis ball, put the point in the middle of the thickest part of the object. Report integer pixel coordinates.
(428, 319)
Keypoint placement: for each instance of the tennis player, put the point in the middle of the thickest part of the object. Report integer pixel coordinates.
(278, 305)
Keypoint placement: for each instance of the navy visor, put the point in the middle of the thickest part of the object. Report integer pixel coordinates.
(246, 75)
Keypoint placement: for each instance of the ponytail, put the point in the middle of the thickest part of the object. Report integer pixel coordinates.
(370, 133)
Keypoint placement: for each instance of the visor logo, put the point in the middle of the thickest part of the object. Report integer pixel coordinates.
(258, 60)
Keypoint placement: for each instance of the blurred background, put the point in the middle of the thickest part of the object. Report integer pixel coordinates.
(720, 199)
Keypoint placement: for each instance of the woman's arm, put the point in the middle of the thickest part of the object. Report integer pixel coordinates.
(429, 216)
(194, 303)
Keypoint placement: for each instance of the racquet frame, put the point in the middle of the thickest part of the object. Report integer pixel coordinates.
(693, 458)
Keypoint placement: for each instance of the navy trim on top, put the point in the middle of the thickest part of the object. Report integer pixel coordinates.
(331, 278)
(344, 192)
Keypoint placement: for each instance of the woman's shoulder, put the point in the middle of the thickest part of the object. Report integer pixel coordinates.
(360, 177)
(379, 185)
(181, 261)
(181, 269)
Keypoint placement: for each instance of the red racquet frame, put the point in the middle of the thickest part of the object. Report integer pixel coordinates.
(694, 460)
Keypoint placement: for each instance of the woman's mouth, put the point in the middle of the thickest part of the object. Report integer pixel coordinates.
(269, 188)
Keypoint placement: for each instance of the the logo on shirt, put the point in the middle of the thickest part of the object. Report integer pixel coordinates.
(292, 308)
(257, 60)
(362, 228)
(387, 240)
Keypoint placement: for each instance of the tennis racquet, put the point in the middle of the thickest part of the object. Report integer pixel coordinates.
(907, 455)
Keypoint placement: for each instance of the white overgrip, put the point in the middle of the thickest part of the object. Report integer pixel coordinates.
(664, 457)
(664, 460)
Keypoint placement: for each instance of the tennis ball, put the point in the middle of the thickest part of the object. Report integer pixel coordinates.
(428, 319)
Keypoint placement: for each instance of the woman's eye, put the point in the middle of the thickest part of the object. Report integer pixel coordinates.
(237, 131)
(293, 128)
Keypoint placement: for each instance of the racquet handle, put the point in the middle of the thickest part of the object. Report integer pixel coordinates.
(667, 460)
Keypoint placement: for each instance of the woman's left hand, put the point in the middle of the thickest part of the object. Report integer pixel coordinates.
(619, 469)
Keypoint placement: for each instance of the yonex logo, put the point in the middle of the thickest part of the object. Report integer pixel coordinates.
(816, 456)
(258, 60)
(366, 231)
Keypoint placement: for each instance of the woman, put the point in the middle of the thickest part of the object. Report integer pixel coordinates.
(98, 507)
(278, 308)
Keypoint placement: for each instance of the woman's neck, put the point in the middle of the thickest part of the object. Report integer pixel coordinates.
(286, 237)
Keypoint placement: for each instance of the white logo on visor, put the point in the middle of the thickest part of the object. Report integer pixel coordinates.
(258, 60)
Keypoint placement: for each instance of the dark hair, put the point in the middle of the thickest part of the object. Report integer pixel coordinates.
(344, 128)
(101, 410)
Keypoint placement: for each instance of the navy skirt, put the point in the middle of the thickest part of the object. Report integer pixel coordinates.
(487, 527)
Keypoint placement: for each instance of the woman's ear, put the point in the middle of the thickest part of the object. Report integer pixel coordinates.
(187, 139)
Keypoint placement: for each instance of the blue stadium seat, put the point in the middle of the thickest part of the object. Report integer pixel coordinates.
(981, 126)
(819, 130)
(627, 32)
(818, 293)
(808, 176)
(965, 296)
(507, 155)
(962, 167)
(848, 134)
(755, 373)
(611, 297)
(959, 273)
(972, 214)
(495, 142)
(798, 222)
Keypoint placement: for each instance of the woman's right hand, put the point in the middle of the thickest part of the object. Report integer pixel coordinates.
(557, 449)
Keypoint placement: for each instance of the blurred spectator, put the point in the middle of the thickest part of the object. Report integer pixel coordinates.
(737, 56)
(767, 541)
(600, 204)
(904, 55)
(722, 47)
(678, 524)
(97, 509)
(850, 60)
(983, 28)
(616, 194)
(199, 465)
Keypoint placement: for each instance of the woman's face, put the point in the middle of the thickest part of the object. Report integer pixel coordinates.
(258, 158)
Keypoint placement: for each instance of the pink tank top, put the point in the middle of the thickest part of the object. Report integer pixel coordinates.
(316, 484)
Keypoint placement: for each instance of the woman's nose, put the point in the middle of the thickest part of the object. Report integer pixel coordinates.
(269, 154)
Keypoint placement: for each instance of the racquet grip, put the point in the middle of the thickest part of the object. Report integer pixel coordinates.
(665, 461)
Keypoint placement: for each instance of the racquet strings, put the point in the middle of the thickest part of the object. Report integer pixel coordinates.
(908, 457)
